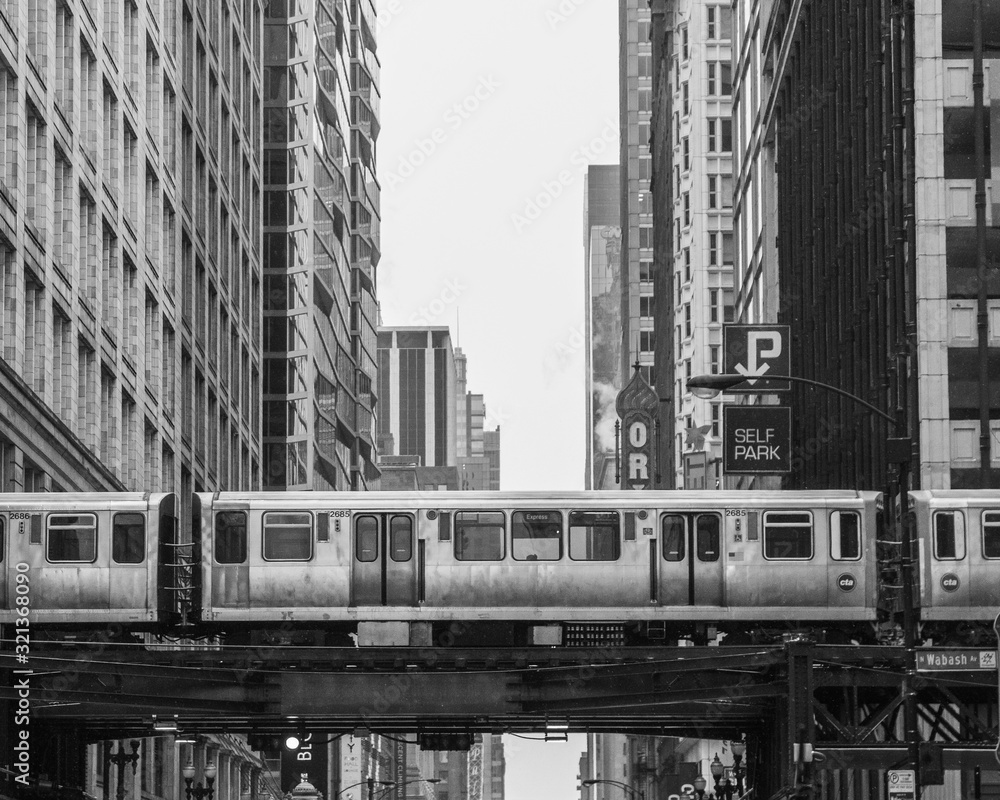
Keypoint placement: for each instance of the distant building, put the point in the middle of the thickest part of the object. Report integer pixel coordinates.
(491, 448)
(427, 414)
(602, 247)
(417, 380)
(475, 775)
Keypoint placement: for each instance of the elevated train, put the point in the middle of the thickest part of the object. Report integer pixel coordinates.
(481, 567)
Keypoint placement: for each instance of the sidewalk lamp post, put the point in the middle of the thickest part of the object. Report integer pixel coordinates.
(197, 791)
(633, 792)
(120, 759)
(898, 451)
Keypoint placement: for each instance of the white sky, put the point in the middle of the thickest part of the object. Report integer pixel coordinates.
(491, 112)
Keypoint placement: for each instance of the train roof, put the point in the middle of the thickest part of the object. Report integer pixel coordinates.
(466, 499)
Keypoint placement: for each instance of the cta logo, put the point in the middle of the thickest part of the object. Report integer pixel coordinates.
(847, 582)
(950, 582)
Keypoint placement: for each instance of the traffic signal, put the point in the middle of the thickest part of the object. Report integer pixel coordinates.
(445, 741)
(264, 742)
(931, 764)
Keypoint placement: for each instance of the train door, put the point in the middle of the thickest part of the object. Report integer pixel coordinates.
(385, 564)
(128, 575)
(949, 563)
(690, 568)
(985, 591)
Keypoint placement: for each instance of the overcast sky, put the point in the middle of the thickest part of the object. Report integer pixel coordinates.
(490, 114)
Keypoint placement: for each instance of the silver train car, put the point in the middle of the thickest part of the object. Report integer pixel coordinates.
(87, 559)
(958, 532)
(534, 561)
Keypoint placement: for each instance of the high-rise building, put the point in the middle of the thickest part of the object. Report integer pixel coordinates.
(602, 246)
(130, 244)
(417, 380)
(476, 470)
(321, 244)
(692, 262)
(491, 448)
(885, 266)
(636, 209)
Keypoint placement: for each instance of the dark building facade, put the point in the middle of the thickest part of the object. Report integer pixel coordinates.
(887, 238)
(417, 382)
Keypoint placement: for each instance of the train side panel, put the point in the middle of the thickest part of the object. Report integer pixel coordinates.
(958, 534)
(88, 558)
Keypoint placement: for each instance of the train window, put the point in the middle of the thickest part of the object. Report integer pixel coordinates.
(788, 535)
(672, 534)
(366, 539)
(594, 535)
(991, 534)
(128, 539)
(707, 537)
(845, 536)
(479, 535)
(949, 536)
(536, 535)
(401, 538)
(288, 536)
(231, 537)
(72, 537)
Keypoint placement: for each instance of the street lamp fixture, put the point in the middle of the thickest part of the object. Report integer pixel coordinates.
(120, 759)
(706, 387)
(635, 793)
(197, 791)
(370, 783)
(898, 451)
(407, 783)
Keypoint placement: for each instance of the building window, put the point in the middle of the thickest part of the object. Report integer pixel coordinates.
(716, 360)
(646, 306)
(645, 66)
(646, 341)
(713, 191)
(716, 419)
(713, 305)
(645, 236)
(713, 249)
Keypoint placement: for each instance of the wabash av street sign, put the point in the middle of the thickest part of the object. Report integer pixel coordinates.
(758, 439)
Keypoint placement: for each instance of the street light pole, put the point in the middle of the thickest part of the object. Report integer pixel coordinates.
(899, 451)
(120, 759)
(624, 786)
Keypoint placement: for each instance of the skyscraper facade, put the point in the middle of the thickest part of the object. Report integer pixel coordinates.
(321, 246)
(677, 284)
(635, 98)
(130, 245)
(884, 267)
(417, 382)
(602, 247)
